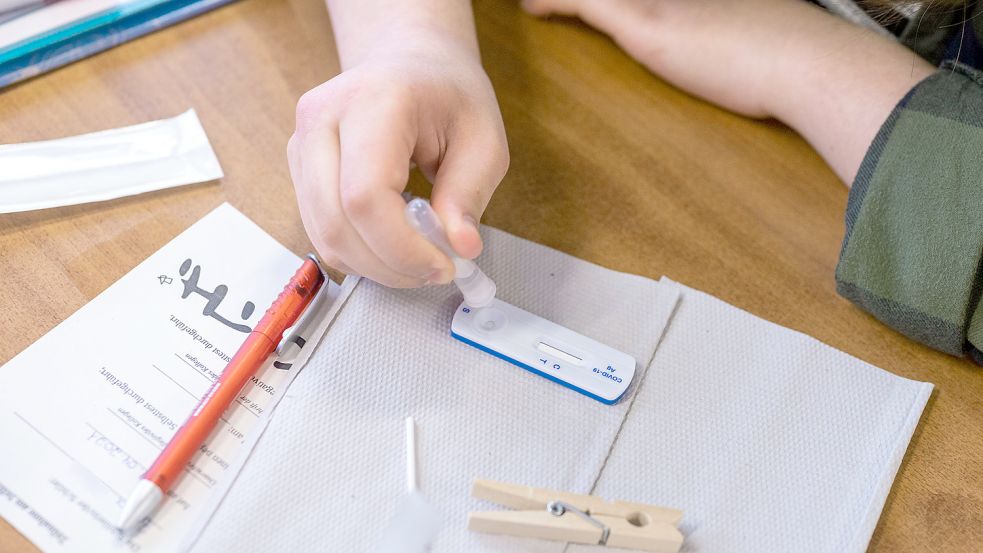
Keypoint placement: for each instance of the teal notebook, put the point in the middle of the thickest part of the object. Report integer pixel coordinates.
(90, 35)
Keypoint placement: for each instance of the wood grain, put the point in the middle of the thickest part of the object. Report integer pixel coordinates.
(608, 164)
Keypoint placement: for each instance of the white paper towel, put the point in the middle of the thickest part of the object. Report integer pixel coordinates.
(329, 470)
(767, 439)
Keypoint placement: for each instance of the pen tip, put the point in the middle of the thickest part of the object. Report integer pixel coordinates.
(141, 504)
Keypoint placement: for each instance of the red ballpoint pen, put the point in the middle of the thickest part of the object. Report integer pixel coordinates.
(253, 353)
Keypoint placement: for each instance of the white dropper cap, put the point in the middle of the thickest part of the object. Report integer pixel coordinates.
(478, 289)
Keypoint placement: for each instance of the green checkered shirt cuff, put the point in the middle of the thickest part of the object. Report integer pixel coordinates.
(914, 222)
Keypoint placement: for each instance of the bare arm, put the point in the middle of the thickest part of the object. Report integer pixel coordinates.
(366, 27)
(833, 82)
(838, 84)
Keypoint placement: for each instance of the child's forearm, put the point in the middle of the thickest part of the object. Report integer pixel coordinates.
(365, 27)
(832, 81)
(836, 84)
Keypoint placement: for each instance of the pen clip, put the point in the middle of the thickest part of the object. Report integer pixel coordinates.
(296, 337)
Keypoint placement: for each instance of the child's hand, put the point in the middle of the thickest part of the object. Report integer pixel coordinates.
(429, 103)
(832, 81)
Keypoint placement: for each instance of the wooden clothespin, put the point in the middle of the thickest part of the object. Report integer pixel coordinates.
(575, 518)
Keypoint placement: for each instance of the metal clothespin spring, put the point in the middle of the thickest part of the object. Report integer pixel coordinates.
(558, 508)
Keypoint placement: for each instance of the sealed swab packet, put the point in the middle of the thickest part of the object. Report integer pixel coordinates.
(106, 165)
(526, 340)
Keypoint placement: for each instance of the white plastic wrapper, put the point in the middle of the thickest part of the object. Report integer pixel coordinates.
(106, 165)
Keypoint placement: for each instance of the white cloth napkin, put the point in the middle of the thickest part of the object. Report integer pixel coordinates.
(767, 439)
(329, 471)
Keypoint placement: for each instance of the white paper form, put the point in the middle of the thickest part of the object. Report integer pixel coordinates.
(88, 407)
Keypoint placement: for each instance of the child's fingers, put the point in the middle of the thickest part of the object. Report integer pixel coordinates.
(313, 157)
(472, 168)
(307, 203)
(376, 144)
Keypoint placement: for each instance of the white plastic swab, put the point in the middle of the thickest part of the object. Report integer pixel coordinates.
(412, 482)
(415, 522)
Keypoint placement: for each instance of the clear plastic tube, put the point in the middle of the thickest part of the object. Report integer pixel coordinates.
(477, 288)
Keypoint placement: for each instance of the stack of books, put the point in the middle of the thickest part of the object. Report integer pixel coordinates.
(40, 35)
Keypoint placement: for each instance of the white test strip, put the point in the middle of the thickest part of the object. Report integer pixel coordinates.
(559, 354)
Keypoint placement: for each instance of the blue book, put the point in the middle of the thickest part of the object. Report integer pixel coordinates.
(91, 35)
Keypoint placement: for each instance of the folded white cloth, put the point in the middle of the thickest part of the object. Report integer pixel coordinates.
(767, 439)
(329, 471)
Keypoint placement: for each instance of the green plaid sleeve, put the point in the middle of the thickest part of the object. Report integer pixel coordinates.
(914, 222)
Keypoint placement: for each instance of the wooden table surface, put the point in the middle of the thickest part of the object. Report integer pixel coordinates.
(608, 164)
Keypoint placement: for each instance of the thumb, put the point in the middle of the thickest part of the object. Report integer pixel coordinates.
(467, 177)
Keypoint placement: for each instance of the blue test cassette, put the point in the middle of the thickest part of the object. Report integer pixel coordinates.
(545, 348)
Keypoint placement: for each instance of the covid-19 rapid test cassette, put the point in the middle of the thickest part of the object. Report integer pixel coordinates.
(545, 348)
